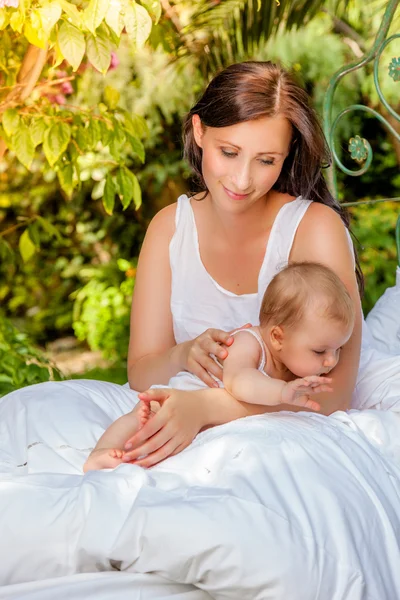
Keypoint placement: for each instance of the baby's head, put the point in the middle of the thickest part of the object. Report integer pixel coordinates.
(306, 316)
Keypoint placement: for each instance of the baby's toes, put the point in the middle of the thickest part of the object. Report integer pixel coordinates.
(116, 453)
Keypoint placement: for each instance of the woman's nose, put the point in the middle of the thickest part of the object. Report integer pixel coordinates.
(242, 178)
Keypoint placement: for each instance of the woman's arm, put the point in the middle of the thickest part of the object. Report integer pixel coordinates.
(322, 237)
(153, 356)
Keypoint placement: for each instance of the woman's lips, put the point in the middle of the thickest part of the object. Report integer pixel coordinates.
(233, 195)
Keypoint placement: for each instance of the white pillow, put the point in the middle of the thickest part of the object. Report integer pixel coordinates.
(384, 319)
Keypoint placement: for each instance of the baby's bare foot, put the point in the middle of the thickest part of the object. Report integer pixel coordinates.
(144, 413)
(103, 458)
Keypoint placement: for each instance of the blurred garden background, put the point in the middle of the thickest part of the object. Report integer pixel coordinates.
(92, 95)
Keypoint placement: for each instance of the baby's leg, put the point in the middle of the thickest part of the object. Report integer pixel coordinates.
(109, 451)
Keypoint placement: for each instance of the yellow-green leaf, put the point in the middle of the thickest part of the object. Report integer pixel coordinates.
(49, 14)
(26, 246)
(37, 129)
(17, 20)
(137, 22)
(137, 192)
(114, 17)
(10, 121)
(23, 145)
(74, 15)
(99, 51)
(109, 195)
(136, 145)
(65, 177)
(71, 43)
(125, 184)
(94, 14)
(4, 19)
(153, 7)
(56, 140)
(34, 31)
(111, 97)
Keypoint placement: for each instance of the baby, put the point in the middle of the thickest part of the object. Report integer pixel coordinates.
(306, 317)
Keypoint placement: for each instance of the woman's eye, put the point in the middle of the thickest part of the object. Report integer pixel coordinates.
(319, 351)
(228, 154)
(267, 161)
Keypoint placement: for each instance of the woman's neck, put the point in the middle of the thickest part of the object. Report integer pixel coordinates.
(245, 224)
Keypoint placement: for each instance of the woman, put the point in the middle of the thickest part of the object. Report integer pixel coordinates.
(257, 149)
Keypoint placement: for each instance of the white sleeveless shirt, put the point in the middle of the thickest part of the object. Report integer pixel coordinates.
(198, 302)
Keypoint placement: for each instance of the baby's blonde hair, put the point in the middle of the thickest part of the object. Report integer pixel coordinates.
(300, 287)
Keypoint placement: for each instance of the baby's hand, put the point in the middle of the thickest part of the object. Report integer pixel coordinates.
(298, 391)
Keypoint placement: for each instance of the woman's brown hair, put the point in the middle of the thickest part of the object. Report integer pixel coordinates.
(253, 90)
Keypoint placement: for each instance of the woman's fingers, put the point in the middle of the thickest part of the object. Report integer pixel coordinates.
(161, 454)
(150, 446)
(152, 426)
(204, 376)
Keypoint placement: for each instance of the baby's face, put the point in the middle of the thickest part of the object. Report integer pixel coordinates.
(314, 347)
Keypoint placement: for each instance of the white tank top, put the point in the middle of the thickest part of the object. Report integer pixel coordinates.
(198, 302)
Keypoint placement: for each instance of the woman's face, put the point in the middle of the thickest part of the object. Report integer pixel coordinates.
(242, 162)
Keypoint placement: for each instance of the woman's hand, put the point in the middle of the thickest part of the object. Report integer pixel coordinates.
(298, 391)
(198, 360)
(169, 431)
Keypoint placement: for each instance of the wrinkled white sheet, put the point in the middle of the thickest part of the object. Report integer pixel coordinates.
(275, 507)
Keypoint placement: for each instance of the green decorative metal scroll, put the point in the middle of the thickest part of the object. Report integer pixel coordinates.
(359, 148)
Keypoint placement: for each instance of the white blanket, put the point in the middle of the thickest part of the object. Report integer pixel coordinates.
(281, 507)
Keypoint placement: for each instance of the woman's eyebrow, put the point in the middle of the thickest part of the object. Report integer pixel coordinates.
(239, 148)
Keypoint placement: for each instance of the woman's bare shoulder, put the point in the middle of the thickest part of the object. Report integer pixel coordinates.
(321, 234)
(163, 223)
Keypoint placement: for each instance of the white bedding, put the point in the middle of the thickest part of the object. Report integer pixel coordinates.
(277, 507)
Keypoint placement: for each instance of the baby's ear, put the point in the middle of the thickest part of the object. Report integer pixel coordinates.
(276, 337)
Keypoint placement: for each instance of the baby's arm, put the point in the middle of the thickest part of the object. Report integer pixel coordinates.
(241, 376)
(246, 383)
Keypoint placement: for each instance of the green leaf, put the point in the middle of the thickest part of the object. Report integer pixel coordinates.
(99, 51)
(56, 140)
(114, 17)
(138, 23)
(125, 184)
(71, 43)
(154, 8)
(37, 129)
(34, 31)
(94, 14)
(10, 121)
(105, 133)
(136, 145)
(109, 195)
(111, 97)
(49, 227)
(23, 145)
(26, 246)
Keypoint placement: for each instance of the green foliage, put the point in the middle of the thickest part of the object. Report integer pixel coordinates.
(102, 308)
(374, 230)
(37, 124)
(21, 363)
